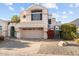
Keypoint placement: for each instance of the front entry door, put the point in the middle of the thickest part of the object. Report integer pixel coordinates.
(12, 31)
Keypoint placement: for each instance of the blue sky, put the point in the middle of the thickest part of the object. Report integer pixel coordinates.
(64, 12)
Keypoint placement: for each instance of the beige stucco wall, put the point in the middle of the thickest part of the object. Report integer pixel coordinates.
(4, 25)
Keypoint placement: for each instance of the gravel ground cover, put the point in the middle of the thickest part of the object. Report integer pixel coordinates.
(52, 49)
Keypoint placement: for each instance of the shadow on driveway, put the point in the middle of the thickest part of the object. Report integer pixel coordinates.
(11, 44)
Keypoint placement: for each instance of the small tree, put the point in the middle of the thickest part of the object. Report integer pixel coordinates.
(15, 19)
(68, 31)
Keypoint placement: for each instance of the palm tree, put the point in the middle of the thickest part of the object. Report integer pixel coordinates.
(15, 19)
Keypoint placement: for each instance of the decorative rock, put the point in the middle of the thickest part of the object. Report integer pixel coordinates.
(66, 43)
(62, 43)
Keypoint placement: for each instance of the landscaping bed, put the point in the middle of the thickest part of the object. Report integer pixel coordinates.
(50, 49)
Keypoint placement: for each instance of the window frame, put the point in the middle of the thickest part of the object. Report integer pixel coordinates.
(36, 12)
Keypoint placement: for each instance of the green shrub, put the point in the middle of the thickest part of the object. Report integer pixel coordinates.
(68, 36)
(1, 38)
(77, 35)
(68, 28)
(68, 31)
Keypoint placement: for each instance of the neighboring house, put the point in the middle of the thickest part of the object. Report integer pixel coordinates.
(76, 22)
(3, 27)
(34, 23)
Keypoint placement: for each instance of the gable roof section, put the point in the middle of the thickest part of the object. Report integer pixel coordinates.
(33, 5)
(37, 6)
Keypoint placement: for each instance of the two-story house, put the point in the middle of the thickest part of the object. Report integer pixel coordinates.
(34, 23)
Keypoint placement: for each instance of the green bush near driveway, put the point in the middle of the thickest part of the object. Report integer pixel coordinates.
(68, 31)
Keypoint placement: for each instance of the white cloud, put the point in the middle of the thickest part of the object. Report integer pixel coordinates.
(11, 8)
(50, 5)
(76, 4)
(64, 12)
(70, 12)
(70, 5)
(9, 4)
(64, 17)
(22, 8)
(56, 15)
(56, 7)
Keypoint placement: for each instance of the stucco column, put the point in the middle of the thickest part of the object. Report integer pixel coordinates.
(8, 32)
(45, 34)
(45, 31)
(18, 34)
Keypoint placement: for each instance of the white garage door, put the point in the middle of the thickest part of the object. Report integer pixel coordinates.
(32, 34)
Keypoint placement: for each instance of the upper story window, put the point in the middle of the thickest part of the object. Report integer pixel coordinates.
(49, 21)
(36, 15)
